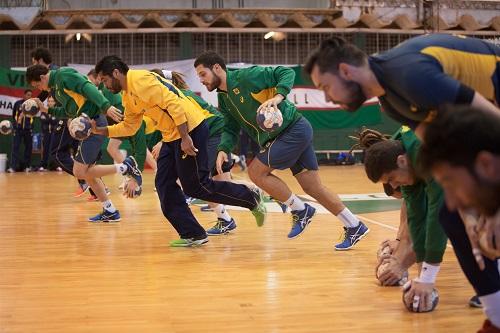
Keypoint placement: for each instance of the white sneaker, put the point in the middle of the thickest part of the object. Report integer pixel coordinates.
(10, 170)
(41, 169)
(59, 169)
(27, 169)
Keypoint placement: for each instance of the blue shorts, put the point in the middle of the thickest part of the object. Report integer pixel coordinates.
(89, 150)
(212, 151)
(292, 149)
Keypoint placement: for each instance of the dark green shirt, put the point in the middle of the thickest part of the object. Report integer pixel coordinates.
(247, 89)
(423, 201)
(76, 94)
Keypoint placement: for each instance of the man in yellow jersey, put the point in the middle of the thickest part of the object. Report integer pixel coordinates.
(184, 151)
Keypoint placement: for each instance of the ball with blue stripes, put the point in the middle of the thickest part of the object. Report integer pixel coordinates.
(269, 119)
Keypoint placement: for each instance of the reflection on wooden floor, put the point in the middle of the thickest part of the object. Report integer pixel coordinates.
(59, 273)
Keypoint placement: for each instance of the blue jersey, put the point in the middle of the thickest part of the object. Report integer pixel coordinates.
(425, 72)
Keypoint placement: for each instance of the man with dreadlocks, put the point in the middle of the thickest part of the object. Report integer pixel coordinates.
(393, 161)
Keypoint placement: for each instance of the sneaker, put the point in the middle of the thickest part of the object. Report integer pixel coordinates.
(28, 169)
(475, 302)
(92, 198)
(243, 162)
(59, 169)
(300, 220)
(189, 242)
(222, 227)
(10, 170)
(260, 211)
(106, 216)
(41, 169)
(352, 236)
(206, 208)
(82, 188)
(132, 169)
(189, 200)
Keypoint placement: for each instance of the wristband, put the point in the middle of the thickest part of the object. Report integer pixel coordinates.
(428, 274)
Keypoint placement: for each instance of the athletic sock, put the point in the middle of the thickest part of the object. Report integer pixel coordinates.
(295, 203)
(108, 205)
(222, 213)
(348, 218)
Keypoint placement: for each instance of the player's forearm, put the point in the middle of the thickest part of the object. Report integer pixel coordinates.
(482, 103)
(101, 131)
(183, 130)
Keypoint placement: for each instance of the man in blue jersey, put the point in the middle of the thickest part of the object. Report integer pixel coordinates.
(412, 81)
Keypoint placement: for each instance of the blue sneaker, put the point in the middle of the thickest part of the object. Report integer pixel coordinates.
(106, 216)
(300, 220)
(352, 236)
(222, 227)
(132, 169)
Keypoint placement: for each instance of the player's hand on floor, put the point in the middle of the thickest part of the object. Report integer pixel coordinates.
(130, 188)
(421, 293)
(394, 271)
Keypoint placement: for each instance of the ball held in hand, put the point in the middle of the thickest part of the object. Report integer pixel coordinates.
(269, 118)
(80, 127)
(30, 107)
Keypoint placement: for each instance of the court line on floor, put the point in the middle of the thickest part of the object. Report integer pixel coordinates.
(387, 226)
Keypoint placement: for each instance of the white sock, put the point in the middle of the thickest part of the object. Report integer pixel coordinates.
(108, 205)
(222, 213)
(348, 218)
(295, 203)
(491, 304)
(120, 168)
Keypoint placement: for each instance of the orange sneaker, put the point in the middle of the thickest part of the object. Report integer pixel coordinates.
(92, 198)
(82, 188)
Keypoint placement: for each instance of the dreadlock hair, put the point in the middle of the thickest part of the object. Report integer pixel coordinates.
(381, 153)
(176, 77)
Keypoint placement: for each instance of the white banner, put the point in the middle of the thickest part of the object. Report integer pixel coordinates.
(7, 104)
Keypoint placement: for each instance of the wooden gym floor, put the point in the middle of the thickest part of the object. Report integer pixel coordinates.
(59, 273)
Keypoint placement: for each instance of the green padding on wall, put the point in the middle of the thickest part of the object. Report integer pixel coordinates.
(367, 116)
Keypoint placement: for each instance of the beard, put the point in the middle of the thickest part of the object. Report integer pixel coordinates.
(487, 197)
(116, 87)
(212, 85)
(356, 95)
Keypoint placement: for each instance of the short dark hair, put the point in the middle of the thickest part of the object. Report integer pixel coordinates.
(42, 53)
(209, 59)
(108, 64)
(27, 91)
(331, 53)
(92, 72)
(34, 72)
(381, 158)
(457, 135)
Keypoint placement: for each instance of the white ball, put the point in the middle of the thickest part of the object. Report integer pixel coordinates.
(30, 107)
(269, 119)
(5, 127)
(80, 127)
